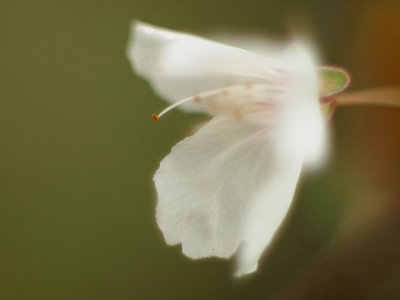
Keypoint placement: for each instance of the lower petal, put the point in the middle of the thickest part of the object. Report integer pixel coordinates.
(229, 185)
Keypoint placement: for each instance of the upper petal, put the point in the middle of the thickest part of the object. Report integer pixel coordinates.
(181, 65)
(228, 185)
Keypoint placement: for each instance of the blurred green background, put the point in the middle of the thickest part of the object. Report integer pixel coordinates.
(78, 151)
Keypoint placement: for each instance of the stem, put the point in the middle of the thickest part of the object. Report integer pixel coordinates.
(387, 96)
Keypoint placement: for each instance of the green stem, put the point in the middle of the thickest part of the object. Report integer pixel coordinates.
(386, 96)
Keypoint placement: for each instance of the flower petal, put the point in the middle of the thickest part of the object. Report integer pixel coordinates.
(229, 185)
(267, 212)
(181, 65)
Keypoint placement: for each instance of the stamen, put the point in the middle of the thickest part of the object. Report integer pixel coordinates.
(228, 91)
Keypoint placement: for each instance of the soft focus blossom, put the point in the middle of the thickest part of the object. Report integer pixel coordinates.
(226, 189)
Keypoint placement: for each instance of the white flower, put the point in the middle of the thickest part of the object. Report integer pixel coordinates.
(225, 190)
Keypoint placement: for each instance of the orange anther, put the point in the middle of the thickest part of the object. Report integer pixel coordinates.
(154, 117)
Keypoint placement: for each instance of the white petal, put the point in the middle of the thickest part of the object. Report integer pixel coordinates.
(251, 41)
(229, 185)
(181, 65)
(267, 211)
(312, 134)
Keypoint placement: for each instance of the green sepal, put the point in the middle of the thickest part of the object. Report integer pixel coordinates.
(332, 80)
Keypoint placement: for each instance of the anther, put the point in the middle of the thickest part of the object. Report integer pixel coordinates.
(155, 117)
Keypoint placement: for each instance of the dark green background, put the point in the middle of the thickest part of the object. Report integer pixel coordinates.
(78, 151)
